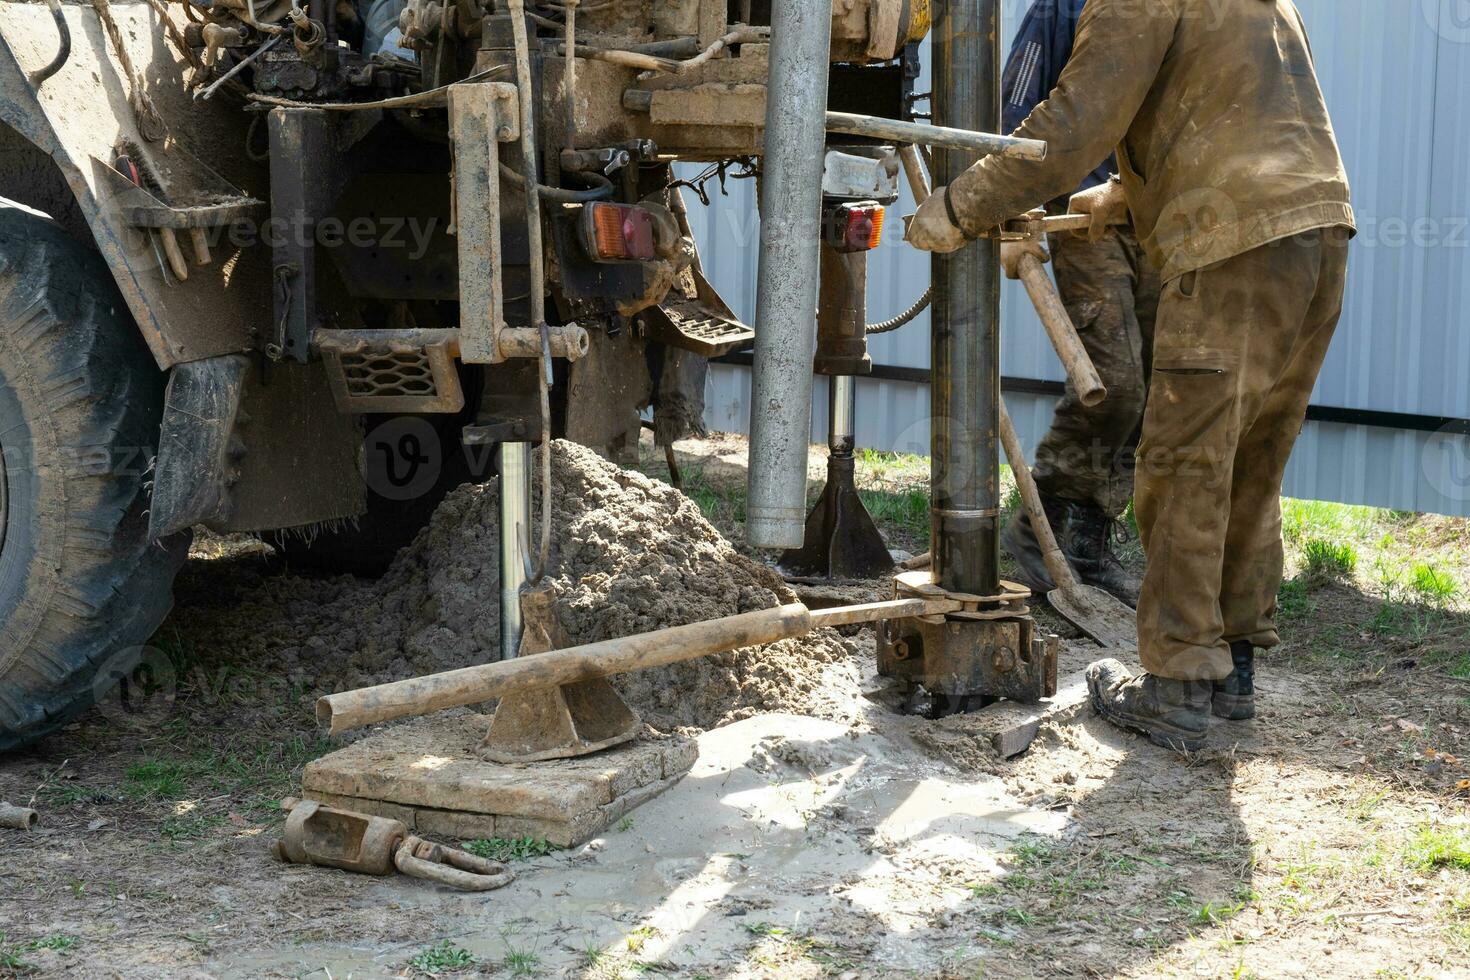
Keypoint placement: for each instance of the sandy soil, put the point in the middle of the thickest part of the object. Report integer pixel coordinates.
(821, 833)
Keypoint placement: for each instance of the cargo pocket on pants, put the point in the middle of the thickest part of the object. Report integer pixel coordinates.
(1190, 425)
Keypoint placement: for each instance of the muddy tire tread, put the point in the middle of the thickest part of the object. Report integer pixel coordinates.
(91, 397)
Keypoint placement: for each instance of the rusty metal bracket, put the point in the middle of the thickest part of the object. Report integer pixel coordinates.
(450, 866)
(335, 838)
(482, 115)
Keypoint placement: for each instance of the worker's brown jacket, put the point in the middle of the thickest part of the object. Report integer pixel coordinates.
(1222, 134)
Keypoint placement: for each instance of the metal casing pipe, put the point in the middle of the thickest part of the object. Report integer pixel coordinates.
(515, 539)
(965, 342)
(791, 201)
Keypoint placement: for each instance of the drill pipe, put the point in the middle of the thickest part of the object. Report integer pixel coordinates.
(965, 320)
(471, 685)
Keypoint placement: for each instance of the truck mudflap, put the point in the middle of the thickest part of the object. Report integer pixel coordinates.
(198, 452)
(210, 472)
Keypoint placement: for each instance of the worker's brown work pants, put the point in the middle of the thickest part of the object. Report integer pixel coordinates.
(1111, 291)
(1237, 349)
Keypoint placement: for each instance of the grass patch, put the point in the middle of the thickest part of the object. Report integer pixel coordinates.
(443, 958)
(1439, 846)
(267, 770)
(1291, 599)
(721, 505)
(892, 467)
(1327, 561)
(521, 962)
(1431, 583)
(157, 779)
(12, 955)
(505, 849)
(1302, 520)
(907, 509)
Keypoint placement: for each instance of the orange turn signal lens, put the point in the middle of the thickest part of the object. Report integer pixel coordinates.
(854, 227)
(619, 233)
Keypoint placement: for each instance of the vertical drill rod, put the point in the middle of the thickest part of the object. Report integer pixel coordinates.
(965, 392)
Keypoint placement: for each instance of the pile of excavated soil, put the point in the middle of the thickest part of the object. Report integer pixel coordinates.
(630, 555)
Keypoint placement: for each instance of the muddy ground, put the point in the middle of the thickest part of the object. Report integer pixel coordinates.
(821, 833)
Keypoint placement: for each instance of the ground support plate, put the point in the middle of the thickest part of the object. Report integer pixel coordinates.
(428, 774)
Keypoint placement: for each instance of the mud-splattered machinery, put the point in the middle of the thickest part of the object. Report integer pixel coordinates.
(383, 246)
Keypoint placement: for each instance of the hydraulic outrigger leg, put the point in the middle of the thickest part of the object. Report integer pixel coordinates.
(841, 542)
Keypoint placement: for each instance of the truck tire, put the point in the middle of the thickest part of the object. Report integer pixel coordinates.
(80, 405)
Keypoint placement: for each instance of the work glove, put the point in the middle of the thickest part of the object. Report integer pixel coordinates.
(1107, 205)
(1011, 252)
(931, 228)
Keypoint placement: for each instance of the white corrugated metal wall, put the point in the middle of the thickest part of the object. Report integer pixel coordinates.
(1397, 78)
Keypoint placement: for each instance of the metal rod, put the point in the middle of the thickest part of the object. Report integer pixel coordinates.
(208, 92)
(965, 351)
(841, 411)
(872, 612)
(913, 169)
(938, 137)
(531, 171)
(570, 342)
(515, 529)
(791, 199)
(471, 685)
(1059, 327)
(569, 72)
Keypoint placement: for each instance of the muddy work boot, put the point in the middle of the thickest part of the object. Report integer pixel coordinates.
(1173, 714)
(1019, 539)
(1235, 697)
(1085, 535)
(1088, 544)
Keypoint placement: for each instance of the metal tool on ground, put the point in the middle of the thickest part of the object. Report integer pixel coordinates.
(17, 817)
(471, 685)
(365, 844)
(1095, 612)
(559, 722)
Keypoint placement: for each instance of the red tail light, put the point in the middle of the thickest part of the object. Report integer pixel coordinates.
(619, 233)
(854, 227)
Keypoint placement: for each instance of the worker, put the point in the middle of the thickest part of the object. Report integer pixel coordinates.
(1233, 178)
(1084, 465)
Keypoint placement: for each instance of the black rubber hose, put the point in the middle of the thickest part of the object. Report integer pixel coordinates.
(64, 52)
(601, 190)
